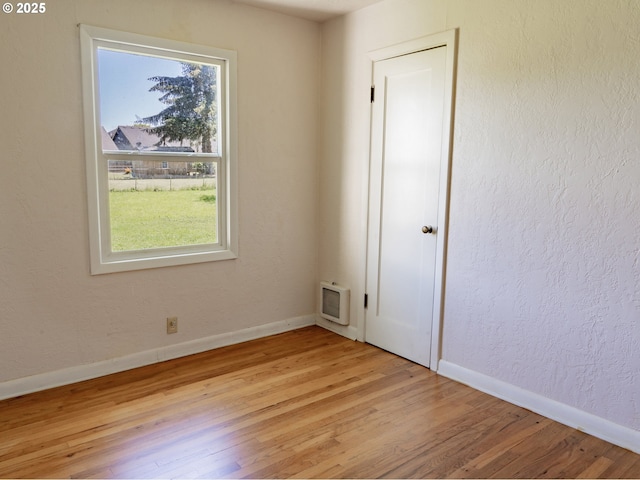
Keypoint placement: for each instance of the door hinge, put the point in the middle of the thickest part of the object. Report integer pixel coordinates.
(373, 93)
(366, 300)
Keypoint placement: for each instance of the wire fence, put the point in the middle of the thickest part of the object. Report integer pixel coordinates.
(165, 184)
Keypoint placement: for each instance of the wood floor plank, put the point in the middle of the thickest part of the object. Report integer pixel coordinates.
(303, 404)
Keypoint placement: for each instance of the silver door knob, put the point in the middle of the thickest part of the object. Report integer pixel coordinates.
(428, 229)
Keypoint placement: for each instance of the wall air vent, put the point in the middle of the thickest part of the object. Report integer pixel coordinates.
(334, 303)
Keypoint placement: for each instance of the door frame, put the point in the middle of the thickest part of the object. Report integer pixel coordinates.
(447, 39)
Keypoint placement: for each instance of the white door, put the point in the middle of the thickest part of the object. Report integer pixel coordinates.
(406, 152)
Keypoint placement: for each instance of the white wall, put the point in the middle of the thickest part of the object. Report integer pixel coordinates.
(544, 269)
(543, 264)
(344, 154)
(54, 315)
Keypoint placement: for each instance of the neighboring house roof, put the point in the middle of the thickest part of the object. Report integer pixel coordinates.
(137, 138)
(107, 141)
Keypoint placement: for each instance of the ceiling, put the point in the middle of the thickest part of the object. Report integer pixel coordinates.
(316, 10)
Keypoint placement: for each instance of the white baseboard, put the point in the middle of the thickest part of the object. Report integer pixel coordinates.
(23, 386)
(348, 331)
(593, 425)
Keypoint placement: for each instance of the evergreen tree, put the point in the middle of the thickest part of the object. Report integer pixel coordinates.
(191, 107)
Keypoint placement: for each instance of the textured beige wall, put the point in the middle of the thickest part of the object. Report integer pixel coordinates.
(54, 315)
(344, 138)
(543, 262)
(542, 288)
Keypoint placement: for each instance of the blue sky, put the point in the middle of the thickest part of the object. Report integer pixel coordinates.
(124, 86)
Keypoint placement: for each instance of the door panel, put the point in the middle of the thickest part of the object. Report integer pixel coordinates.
(406, 146)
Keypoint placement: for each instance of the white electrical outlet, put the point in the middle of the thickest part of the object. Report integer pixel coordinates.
(172, 325)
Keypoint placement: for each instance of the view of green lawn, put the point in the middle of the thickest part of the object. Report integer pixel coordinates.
(162, 218)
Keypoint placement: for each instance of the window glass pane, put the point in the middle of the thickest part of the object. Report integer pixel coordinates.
(153, 104)
(161, 177)
(162, 204)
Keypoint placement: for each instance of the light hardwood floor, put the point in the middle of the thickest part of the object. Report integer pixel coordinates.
(306, 403)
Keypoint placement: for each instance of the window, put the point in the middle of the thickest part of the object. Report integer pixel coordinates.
(160, 145)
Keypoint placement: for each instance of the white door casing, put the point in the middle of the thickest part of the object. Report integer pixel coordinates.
(408, 196)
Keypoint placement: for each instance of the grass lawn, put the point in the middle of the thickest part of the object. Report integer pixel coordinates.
(154, 219)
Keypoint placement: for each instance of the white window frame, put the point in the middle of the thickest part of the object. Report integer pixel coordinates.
(103, 259)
